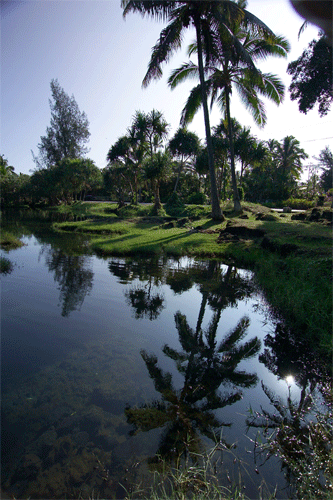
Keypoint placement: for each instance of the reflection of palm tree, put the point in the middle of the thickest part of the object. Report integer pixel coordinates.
(301, 437)
(286, 355)
(205, 366)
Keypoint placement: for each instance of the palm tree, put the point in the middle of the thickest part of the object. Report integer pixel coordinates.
(287, 157)
(248, 149)
(156, 130)
(206, 17)
(158, 168)
(5, 168)
(185, 145)
(233, 54)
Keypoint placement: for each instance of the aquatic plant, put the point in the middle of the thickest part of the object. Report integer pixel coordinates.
(6, 266)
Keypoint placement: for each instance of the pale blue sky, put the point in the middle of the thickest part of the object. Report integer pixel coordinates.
(101, 59)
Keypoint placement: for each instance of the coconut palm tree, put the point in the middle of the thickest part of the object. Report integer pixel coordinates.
(232, 62)
(287, 157)
(205, 17)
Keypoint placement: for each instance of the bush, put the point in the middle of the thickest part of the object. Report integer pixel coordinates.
(197, 199)
(320, 201)
(174, 206)
(298, 204)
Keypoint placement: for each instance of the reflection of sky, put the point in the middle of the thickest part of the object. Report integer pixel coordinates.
(34, 334)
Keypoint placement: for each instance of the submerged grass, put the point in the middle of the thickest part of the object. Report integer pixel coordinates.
(195, 478)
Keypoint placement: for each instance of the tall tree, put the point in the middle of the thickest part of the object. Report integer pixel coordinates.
(204, 17)
(325, 162)
(312, 77)
(184, 145)
(158, 168)
(68, 133)
(232, 62)
(5, 168)
(287, 159)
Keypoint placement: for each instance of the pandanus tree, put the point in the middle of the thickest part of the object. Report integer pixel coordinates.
(234, 50)
(157, 169)
(185, 145)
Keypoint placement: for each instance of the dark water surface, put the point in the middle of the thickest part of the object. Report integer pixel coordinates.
(106, 363)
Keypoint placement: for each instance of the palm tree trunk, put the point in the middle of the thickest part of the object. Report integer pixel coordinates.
(237, 204)
(178, 175)
(216, 209)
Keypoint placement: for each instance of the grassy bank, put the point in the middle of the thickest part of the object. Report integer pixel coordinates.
(9, 242)
(292, 259)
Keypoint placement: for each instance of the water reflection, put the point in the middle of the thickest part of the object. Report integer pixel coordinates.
(299, 432)
(284, 355)
(73, 275)
(208, 367)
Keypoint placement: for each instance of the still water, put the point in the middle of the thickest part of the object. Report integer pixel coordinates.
(107, 363)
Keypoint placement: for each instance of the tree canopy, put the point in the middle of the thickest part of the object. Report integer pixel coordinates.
(312, 77)
(68, 133)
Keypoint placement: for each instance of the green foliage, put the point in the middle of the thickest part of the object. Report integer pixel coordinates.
(325, 161)
(297, 204)
(241, 193)
(197, 199)
(276, 177)
(312, 77)
(68, 131)
(174, 206)
(6, 266)
(9, 242)
(68, 180)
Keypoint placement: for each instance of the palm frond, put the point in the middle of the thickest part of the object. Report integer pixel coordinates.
(251, 101)
(158, 9)
(260, 48)
(170, 41)
(235, 335)
(192, 105)
(272, 87)
(187, 70)
(254, 21)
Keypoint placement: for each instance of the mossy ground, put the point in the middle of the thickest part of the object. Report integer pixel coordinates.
(293, 266)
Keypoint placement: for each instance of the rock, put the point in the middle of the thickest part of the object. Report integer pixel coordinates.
(300, 216)
(328, 215)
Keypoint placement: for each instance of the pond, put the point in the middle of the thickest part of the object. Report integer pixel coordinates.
(111, 365)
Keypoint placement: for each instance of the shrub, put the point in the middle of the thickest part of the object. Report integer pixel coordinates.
(174, 206)
(298, 204)
(197, 199)
(320, 201)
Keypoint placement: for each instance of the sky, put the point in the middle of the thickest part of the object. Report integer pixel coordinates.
(101, 59)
